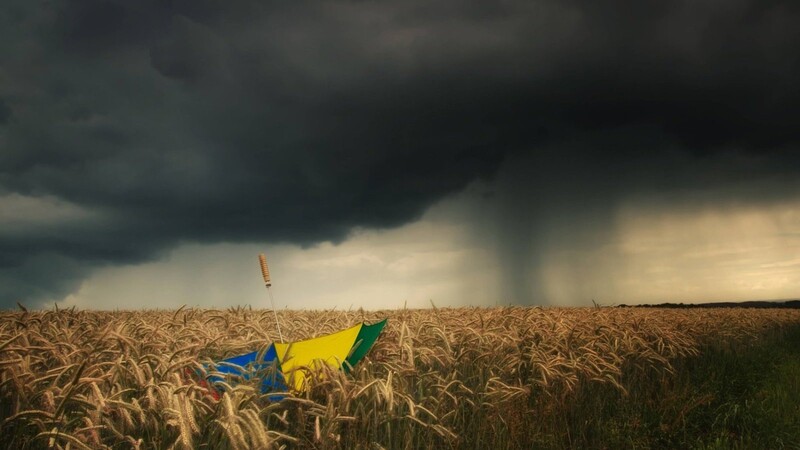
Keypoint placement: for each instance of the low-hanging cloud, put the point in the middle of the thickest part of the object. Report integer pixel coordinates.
(167, 122)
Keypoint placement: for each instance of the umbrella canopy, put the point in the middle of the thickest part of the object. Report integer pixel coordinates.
(281, 366)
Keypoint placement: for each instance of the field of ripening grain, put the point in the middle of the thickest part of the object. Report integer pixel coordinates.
(440, 378)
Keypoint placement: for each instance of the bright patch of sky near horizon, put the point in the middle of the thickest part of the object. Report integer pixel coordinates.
(412, 265)
(727, 253)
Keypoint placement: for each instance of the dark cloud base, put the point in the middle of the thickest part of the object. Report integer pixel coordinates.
(206, 121)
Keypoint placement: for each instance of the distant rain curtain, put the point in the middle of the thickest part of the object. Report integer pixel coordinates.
(280, 362)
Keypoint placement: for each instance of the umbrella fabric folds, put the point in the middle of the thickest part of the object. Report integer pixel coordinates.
(281, 366)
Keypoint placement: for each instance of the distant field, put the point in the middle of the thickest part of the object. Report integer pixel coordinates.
(440, 378)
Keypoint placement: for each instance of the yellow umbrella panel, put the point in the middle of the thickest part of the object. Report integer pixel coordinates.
(331, 350)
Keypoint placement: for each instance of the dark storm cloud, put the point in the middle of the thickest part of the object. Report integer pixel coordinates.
(5, 112)
(224, 121)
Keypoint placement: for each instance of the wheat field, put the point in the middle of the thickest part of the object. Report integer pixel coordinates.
(437, 378)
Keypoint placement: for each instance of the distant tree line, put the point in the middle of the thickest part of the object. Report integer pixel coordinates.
(795, 304)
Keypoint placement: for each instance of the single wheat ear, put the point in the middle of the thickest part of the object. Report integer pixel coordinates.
(264, 269)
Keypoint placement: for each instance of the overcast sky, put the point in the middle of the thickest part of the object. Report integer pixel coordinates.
(385, 153)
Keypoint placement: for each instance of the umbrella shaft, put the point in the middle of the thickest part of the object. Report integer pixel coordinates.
(272, 302)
